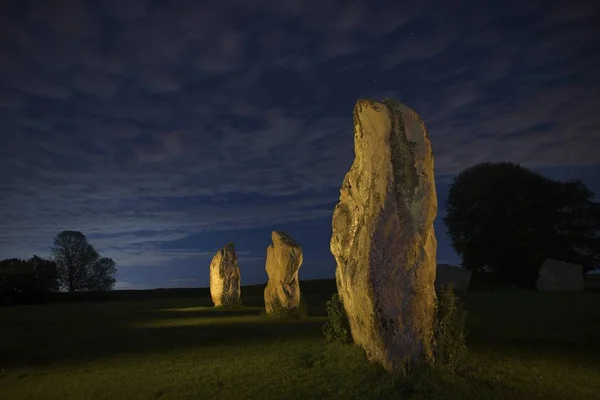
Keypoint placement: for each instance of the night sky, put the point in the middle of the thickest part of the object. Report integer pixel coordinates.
(164, 129)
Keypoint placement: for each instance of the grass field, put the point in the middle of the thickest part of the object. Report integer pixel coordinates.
(523, 345)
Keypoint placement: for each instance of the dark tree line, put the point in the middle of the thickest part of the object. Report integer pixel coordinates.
(75, 266)
(505, 219)
(27, 281)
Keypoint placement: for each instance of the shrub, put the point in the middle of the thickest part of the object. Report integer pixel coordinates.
(450, 333)
(337, 328)
(279, 311)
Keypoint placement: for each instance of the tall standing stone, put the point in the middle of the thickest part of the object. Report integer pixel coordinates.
(383, 239)
(225, 278)
(284, 258)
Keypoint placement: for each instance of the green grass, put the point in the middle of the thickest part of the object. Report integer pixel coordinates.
(523, 345)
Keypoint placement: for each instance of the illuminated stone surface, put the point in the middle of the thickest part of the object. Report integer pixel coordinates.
(383, 238)
(284, 258)
(225, 277)
(560, 276)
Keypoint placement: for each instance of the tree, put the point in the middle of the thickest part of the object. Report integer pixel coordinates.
(26, 281)
(80, 267)
(16, 281)
(102, 274)
(45, 274)
(505, 218)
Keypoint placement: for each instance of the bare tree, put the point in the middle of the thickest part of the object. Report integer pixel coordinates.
(101, 277)
(80, 267)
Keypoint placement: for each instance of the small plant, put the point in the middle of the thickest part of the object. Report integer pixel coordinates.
(281, 312)
(450, 333)
(337, 328)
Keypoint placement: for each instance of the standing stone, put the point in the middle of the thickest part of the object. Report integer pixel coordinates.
(458, 277)
(284, 258)
(225, 278)
(560, 276)
(383, 238)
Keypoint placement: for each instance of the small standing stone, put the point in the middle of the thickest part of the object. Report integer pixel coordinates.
(284, 258)
(225, 278)
(560, 276)
(458, 277)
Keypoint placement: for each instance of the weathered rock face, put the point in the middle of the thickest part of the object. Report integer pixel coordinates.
(225, 278)
(458, 277)
(560, 276)
(284, 258)
(383, 238)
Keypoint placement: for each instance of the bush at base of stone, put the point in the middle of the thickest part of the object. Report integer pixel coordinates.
(337, 328)
(279, 311)
(450, 333)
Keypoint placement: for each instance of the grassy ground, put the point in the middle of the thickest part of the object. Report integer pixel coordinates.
(522, 346)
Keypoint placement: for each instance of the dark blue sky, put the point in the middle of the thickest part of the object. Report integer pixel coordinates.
(164, 129)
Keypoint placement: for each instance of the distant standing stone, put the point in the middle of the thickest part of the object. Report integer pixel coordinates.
(458, 277)
(284, 258)
(225, 277)
(383, 238)
(560, 276)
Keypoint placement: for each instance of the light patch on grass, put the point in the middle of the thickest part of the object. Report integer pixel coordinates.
(211, 309)
(198, 321)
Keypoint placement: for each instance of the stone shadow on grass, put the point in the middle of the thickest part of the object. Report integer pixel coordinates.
(214, 312)
(83, 337)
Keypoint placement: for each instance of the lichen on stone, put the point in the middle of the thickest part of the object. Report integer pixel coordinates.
(403, 154)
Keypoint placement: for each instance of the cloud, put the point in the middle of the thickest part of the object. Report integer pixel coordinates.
(94, 83)
(141, 123)
(15, 73)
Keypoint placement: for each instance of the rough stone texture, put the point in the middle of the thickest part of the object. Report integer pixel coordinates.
(459, 277)
(383, 238)
(225, 278)
(284, 258)
(560, 276)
